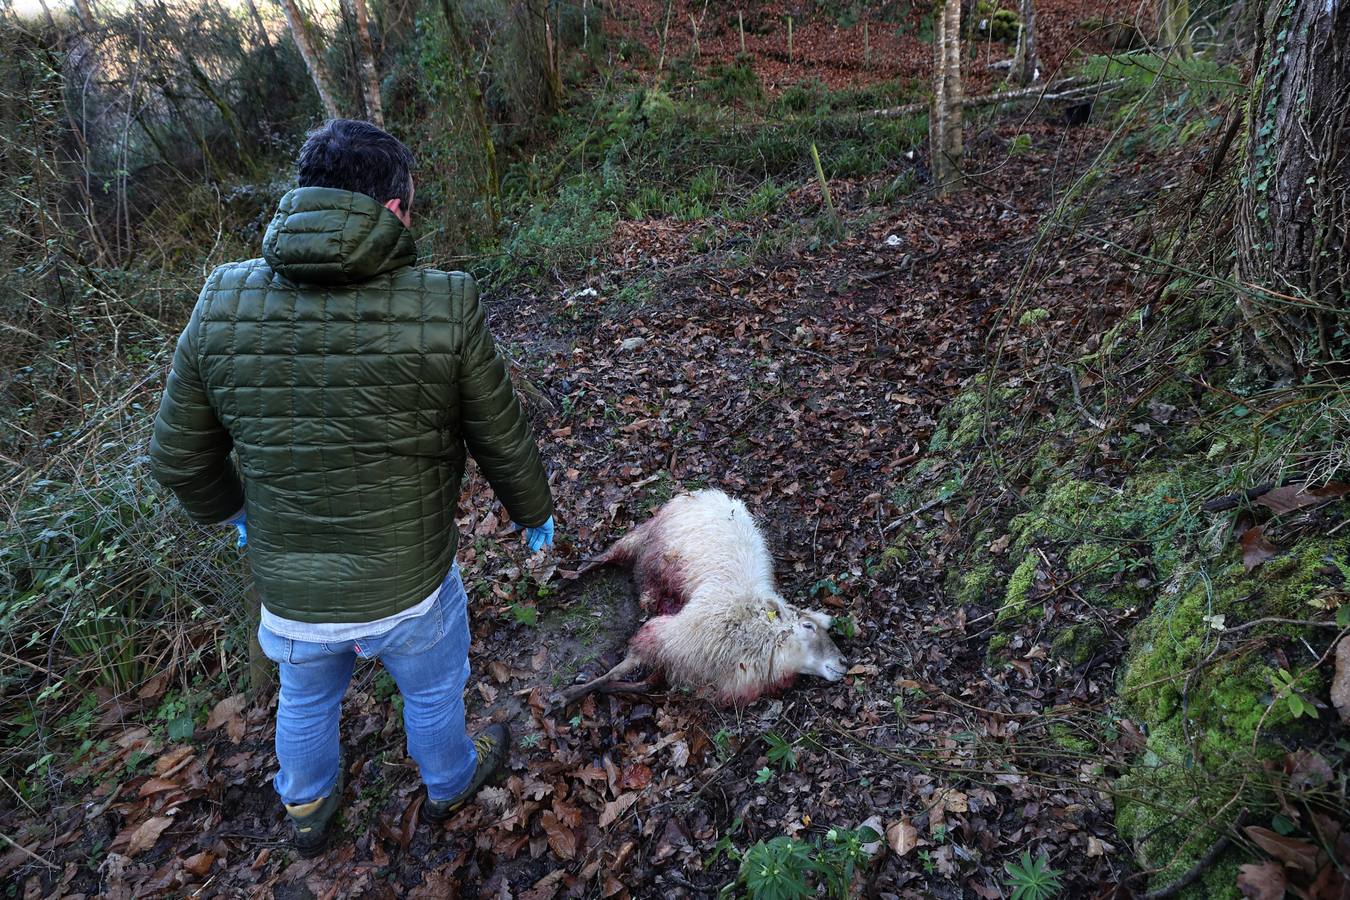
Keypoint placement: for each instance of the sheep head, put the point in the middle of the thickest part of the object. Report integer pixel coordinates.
(805, 647)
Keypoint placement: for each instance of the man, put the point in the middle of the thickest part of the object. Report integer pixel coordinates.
(350, 385)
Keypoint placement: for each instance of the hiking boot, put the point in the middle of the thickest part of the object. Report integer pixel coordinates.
(493, 746)
(310, 821)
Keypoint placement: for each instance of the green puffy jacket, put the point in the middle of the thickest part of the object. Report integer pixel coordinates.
(348, 384)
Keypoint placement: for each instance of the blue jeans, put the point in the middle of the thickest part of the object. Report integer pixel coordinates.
(429, 659)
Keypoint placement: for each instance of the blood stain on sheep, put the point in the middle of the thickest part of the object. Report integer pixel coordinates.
(660, 576)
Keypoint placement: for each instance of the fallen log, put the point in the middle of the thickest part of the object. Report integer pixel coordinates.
(1068, 89)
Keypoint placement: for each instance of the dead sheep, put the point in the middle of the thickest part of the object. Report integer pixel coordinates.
(704, 571)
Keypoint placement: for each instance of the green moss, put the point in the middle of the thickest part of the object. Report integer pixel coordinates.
(1070, 509)
(1033, 316)
(1202, 716)
(964, 417)
(1291, 581)
(1066, 739)
(973, 585)
(1078, 643)
(995, 656)
(1163, 805)
(1018, 592)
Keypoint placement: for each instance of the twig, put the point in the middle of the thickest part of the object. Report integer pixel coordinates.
(1241, 498)
(914, 513)
(1078, 400)
(22, 849)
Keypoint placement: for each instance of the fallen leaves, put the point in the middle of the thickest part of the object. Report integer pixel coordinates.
(228, 712)
(562, 840)
(1262, 881)
(1340, 681)
(143, 837)
(902, 837)
(199, 863)
(1293, 497)
(1255, 548)
(1295, 852)
(616, 808)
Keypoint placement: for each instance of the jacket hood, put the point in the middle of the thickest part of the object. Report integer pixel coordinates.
(329, 236)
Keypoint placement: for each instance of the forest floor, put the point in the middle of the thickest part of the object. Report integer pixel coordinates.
(807, 383)
(807, 386)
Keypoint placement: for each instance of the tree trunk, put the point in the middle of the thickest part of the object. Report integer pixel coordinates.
(1173, 18)
(532, 19)
(266, 38)
(85, 13)
(310, 55)
(366, 49)
(463, 52)
(1024, 61)
(944, 128)
(261, 670)
(1294, 212)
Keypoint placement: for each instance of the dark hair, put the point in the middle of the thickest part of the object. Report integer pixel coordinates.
(356, 156)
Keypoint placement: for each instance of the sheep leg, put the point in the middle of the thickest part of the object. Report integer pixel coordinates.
(645, 686)
(572, 694)
(619, 553)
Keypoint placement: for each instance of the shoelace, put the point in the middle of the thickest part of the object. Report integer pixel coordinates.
(484, 744)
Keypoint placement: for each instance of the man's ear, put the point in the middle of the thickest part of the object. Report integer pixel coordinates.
(395, 206)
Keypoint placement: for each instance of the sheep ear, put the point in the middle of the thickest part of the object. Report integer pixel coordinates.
(778, 611)
(823, 619)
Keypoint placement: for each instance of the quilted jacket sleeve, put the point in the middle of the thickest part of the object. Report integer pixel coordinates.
(493, 423)
(190, 449)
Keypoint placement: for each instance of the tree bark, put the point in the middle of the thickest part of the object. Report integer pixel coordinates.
(944, 129)
(259, 24)
(374, 106)
(85, 13)
(1024, 60)
(261, 670)
(310, 55)
(1173, 17)
(1294, 211)
(532, 18)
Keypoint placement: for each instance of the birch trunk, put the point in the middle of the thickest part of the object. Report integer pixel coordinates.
(374, 107)
(1173, 17)
(1024, 61)
(310, 55)
(944, 129)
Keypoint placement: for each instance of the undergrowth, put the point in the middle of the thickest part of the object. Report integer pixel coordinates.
(632, 152)
(1083, 461)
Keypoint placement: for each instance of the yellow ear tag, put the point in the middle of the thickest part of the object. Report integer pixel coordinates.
(771, 613)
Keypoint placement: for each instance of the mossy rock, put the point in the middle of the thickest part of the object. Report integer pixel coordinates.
(1211, 716)
(1078, 643)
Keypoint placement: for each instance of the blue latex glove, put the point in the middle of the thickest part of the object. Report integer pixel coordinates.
(240, 524)
(540, 536)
